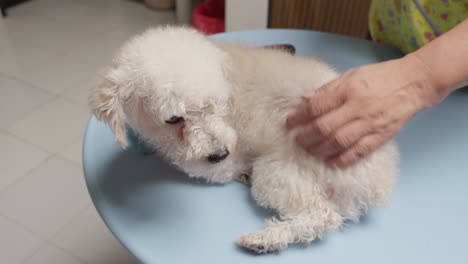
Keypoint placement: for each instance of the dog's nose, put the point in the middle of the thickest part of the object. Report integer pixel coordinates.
(218, 157)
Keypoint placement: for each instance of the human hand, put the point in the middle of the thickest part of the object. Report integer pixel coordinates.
(351, 116)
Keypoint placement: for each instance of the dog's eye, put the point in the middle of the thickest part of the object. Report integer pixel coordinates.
(175, 120)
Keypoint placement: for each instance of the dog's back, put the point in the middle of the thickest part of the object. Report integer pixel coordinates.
(268, 86)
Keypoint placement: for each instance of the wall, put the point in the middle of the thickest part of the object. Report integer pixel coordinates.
(337, 16)
(246, 14)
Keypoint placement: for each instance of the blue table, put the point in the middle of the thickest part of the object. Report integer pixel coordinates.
(163, 217)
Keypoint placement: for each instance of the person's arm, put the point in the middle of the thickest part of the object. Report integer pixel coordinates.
(348, 118)
(446, 57)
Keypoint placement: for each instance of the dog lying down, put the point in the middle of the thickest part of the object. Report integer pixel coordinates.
(218, 111)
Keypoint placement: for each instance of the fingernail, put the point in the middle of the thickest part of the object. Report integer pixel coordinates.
(310, 142)
(332, 163)
(318, 155)
(313, 152)
(298, 140)
(288, 123)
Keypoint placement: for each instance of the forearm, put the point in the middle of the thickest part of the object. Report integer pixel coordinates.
(446, 58)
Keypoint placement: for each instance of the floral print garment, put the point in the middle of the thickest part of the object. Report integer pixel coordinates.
(410, 24)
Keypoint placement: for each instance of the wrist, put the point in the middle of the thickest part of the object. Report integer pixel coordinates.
(426, 83)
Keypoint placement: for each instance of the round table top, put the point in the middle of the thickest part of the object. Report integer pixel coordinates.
(161, 216)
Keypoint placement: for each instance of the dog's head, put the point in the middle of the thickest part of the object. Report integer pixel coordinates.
(169, 85)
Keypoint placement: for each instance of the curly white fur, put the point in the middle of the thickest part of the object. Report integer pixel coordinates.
(237, 98)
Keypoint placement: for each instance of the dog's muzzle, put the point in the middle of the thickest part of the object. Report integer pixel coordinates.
(218, 157)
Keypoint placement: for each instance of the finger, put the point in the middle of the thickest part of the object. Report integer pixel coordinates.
(322, 150)
(298, 118)
(360, 150)
(326, 125)
(325, 99)
(341, 140)
(310, 111)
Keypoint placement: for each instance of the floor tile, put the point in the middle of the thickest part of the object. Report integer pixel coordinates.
(73, 152)
(80, 93)
(124, 27)
(102, 50)
(17, 158)
(59, 11)
(141, 18)
(51, 53)
(5, 42)
(21, 61)
(15, 30)
(53, 126)
(18, 99)
(49, 254)
(118, 24)
(102, 17)
(46, 34)
(47, 198)
(43, 68)
(89, 239)
(16, 243)
(61, 73)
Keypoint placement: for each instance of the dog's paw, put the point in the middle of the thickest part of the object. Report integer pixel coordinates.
(244, 179)
(260, 242)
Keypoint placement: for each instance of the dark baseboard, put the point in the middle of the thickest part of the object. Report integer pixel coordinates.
(4, 4)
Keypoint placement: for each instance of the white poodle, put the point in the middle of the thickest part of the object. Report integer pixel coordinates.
(218, 111)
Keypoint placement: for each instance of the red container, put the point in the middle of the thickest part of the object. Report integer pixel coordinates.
(208, 17)
(215, 8)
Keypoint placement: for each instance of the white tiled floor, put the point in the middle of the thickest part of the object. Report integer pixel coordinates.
(50, 53)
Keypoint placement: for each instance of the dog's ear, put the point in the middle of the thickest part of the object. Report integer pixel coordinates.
(106, 103)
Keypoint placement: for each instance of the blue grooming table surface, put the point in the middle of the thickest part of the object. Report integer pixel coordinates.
(163, 217)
